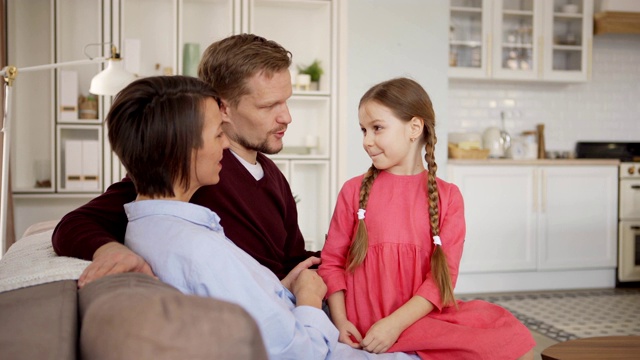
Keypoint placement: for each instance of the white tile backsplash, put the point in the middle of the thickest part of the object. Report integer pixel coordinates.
(607, 108)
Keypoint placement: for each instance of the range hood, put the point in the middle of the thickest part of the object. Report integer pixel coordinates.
(617, 17)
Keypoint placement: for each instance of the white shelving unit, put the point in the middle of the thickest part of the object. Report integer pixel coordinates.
(152, 36)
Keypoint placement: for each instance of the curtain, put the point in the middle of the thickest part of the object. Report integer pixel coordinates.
(10, 234)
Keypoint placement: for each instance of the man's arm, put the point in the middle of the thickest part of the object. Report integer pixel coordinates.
(95, 231)
(102, 220)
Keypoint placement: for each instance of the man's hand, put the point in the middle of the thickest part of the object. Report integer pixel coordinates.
(309, 289)
(293, 274)
(113, 258)
(384, 333)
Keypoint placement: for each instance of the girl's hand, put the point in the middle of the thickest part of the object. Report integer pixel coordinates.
(381, 336)
(347, 332)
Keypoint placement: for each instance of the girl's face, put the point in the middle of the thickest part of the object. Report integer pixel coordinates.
(206, 160)
(387, 139)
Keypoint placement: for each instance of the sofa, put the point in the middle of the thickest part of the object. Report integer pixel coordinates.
(43, 315)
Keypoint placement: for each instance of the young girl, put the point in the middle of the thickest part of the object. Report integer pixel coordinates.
(395, 241)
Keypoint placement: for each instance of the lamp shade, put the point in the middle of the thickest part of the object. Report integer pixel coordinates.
(112, 79)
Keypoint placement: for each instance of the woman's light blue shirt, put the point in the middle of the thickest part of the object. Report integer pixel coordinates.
(186, 247)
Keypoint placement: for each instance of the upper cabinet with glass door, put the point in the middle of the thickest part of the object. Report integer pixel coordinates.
(469, 38)
(545, 40)
(568, 42)
(516, 25)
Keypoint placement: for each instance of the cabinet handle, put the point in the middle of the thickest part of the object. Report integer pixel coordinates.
(535, 191)
(540, 56)
(635, 227)
(489, 52)
(589, 58)
(636, 187)
(543, 176)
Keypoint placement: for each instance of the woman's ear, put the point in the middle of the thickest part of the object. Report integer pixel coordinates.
(417, 127)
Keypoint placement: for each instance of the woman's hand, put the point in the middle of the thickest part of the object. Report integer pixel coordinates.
(381, 336)
(348, 331)
(293, 274)
(309, 289)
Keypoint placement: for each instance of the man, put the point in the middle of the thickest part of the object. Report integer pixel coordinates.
(251, 75)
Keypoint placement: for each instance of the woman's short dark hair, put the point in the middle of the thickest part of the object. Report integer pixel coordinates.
(154, 124)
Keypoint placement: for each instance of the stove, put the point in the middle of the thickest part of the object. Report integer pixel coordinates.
(623, 151)
(628, 200)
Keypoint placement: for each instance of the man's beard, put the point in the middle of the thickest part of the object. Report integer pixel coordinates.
(262, 147)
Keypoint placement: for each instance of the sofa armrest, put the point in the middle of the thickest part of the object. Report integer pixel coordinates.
(134, 316)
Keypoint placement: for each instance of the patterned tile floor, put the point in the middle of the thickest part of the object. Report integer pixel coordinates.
(555, 316)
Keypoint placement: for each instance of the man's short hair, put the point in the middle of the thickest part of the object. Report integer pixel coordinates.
(227, 64)
(154, 125)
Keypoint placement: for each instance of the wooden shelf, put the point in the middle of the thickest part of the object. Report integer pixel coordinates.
(614, 22)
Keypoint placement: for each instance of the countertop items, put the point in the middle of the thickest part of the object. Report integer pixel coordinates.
(466, 145)
(466, 140)
(541, 150)
(558, 162)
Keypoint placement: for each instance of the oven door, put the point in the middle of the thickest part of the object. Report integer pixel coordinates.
(629, 251)
(630, 199)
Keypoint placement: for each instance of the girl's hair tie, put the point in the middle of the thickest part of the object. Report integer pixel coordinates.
(361, 214)
(437, 241)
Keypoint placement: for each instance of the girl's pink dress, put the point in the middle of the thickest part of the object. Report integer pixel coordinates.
(397, 267)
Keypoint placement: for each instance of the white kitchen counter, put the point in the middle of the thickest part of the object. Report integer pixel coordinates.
(558, 162)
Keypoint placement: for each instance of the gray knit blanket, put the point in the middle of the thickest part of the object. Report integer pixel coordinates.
(32, 261)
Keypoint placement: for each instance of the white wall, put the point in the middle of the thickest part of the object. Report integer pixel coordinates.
(386, 39)
(605, 109)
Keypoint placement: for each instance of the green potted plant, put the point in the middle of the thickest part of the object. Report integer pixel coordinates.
(314, 71)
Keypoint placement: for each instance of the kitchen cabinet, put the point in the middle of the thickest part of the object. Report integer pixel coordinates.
(160, 37)
(537, 221)
(577, 217)
(501, 223)
(548, 40)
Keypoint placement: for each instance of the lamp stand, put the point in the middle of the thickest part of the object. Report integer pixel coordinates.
(115, 79)
(8, 77)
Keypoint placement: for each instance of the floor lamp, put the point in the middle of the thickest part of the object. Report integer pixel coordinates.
(108, 82)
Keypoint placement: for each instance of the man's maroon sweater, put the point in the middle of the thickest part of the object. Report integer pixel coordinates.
(259, 216)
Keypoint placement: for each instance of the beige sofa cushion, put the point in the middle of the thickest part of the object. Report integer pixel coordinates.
(133, 316)
(39, 322)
